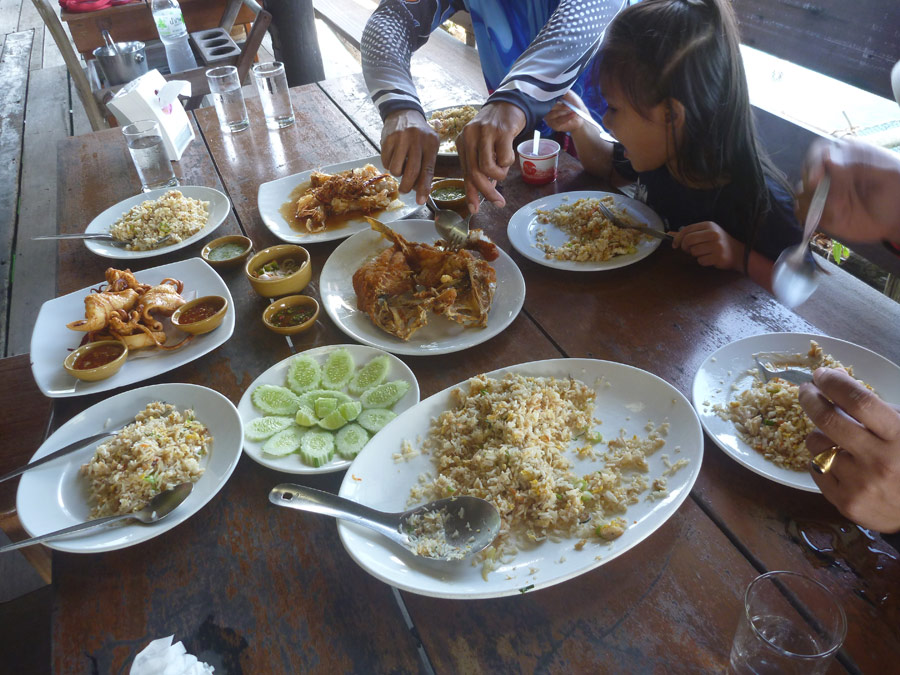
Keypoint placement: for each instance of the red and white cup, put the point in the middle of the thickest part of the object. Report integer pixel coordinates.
(540, 168)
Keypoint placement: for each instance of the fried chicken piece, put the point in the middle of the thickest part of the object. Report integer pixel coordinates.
(362, 190)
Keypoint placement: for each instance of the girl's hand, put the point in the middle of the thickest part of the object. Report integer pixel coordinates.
(864, 480)
(710, 245)
(560, 118)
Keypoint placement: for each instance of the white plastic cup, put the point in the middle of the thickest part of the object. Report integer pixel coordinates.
(540, 168)
(274, 94)
(148, 152)
(225, 87)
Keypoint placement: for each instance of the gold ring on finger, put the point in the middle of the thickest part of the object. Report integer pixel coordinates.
(822, 462)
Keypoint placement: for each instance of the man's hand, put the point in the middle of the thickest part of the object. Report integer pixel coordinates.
(710, 245)
(486, 150)
(409, 149)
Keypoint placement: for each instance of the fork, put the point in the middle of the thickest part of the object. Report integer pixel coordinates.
(618, 222)
(450, 225)
(795, 376)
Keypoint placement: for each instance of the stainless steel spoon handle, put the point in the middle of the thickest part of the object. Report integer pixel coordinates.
(77, 445)
(304, 498)
(68, 530)
(75, 235)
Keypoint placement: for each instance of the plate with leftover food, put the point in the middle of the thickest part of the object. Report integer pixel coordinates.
(185, 214)
(315, 411)
(134, 308)
(567, 231)
(602, 451)
(448, 122)
(164, 434)
(399, 292)
(761, 425)
(332, 202)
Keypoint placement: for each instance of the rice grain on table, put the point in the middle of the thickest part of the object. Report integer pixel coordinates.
(162, 448)
(592, 237)
(173, 214)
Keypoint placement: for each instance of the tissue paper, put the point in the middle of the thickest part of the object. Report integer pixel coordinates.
(161, 657)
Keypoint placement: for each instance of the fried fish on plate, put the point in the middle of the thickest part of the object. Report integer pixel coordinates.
(402, 284)
(362, 190)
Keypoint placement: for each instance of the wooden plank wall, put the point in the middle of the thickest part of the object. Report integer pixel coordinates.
(854, 42)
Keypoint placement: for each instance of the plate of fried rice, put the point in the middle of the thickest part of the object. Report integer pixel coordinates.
(567, 231)
(761, 425)
(160, 436)
(187, 214)
(448, 122)
(584, 459)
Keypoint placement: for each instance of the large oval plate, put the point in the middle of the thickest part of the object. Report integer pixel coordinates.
(54, 496)
(627, 398)
(447, 149)
(440, 336)
(276, 375)
(525, 225)
(729, 370)
(219, 206)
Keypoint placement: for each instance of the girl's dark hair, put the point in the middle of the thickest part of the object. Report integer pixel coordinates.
(689, 50)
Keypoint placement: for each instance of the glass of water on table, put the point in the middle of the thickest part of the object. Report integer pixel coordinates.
(789, 624)
(273, 94)
(225, 87)
(148, 152)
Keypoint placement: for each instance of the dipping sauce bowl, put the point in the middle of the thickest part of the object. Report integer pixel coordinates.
(96, 360)
(277, 286)
(450, 193)
(201, 315)
(286, 310)
(226, 252)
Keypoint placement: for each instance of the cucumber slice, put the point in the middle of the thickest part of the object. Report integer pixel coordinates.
(275, 400)
(265, 427)
(370, 375)
(303, 374)
(325, 405)
(338, 369)
(317, 448)
(373, 419)
(309, 398)
(350, 410)
(350, 440)
(333, 420)
(384, 395)
(284, 442)
(305, 416)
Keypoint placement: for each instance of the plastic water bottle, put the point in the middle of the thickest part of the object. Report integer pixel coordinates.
(170, 23)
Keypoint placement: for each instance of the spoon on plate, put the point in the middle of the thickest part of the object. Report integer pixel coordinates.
(461, 526)
(452, 227)
(156, 509)
(101, 236)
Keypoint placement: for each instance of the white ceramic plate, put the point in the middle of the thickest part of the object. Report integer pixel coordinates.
(732, 366)
(448, 148)
(55, 496)
(51, 341)
(632, 398)
(276, 375)
(440, 336)
(524, 226)
(219, 206)
(274, 194)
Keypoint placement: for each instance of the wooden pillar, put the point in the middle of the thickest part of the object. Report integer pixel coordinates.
(294, 40)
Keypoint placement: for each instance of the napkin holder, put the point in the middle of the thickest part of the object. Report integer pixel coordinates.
(150, 97)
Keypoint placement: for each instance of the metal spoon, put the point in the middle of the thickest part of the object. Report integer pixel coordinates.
(157, 508)
(452, 227)
(470, 524)
(795, 275)
(101, 236)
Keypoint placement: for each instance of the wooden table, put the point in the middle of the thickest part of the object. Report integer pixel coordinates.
(253, 588)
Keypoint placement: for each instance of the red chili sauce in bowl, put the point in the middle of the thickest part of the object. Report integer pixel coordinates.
(292, 316)
(99, 356)
(199, 312)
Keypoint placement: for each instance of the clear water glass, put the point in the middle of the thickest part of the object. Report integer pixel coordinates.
(225, 88)
(790, 624)
(274, 94)
(148, 152)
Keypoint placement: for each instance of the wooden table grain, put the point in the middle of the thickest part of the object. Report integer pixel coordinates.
(251, 588)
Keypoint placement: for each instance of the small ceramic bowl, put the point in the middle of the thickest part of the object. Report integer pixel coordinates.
(289, 285)
(232, 241)
(439, 190)
(201, 315)
(303, 302)
(101, 372)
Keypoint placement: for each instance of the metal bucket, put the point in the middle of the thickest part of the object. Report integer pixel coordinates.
(128, 64)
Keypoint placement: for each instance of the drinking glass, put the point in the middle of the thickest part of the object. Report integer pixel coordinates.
(225, 87)
(148, 152)
(790, 624)
(273, 94)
